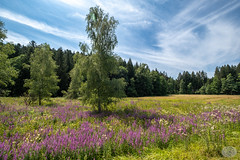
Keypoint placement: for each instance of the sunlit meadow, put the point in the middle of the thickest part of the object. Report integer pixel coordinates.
(171, 127)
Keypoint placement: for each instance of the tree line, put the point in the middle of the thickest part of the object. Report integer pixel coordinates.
(97, 74)
(140, 80)
(226, 80)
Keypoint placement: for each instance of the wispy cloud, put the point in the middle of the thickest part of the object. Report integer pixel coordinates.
(129, 13)
(77, 14)
(83, 4)
(220, 40)
(17, 38)
(195, 38)
(196, 15)
(144, 55)
(143, 23)
(41, 26)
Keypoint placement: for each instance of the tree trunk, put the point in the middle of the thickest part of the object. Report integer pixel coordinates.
(39, 100)
(99, 103)
(99, 107)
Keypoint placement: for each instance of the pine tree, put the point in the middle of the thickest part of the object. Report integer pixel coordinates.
(216, 85)
(182, 89)
(229, 86)
(143, 82)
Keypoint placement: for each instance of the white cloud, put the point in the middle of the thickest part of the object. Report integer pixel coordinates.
(118, 7)
(220, 43)
(77, 14)
(78, 3)
(129, 13)
(183, 48)
(41, 26)
(153, 56)
(143, 23)
(17, 38)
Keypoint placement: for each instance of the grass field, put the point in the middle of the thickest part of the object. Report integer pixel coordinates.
(171, 127)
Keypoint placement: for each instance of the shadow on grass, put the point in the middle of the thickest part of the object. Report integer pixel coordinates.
(133, 113)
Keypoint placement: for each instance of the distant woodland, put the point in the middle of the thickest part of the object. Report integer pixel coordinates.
(140, 80)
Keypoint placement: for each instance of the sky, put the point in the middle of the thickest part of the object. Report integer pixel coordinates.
(170, 35)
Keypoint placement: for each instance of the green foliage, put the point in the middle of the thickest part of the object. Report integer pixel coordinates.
(238, 83)
(101, 31)
(43, 80)
(94, 71)
(229, 86)
(76, 78)
(216, 85)
(156, 83)
(143, 82)
(7, 71)
(171, 86)
(213, 87)
(3, 32)
(131, 90)
(182, 89)
(21, 62)
(130, 68)
(202, 90)
(163, 82)
(98, 89)
(189, 88)
(62, 57)
(209, 89)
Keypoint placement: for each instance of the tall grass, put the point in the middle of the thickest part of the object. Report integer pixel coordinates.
(137, 128)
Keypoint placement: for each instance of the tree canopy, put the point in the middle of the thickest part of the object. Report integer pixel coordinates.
(43, 79)
(95, 69)
(7, 71)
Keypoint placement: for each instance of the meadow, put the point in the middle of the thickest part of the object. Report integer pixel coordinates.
(170, 127)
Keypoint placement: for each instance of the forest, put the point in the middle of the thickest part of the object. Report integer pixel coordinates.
(141, 81)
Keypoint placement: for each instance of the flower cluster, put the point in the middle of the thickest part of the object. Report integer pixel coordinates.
(72, 131)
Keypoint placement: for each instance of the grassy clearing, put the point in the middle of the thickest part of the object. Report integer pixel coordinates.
(171, 127)
(202, 99)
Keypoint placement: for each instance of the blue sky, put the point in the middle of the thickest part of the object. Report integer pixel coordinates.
(170, 35)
